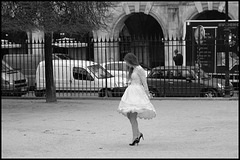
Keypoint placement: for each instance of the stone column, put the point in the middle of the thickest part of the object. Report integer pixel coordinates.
(173, 43)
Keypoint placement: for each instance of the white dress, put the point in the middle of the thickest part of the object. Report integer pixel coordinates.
(135, 99)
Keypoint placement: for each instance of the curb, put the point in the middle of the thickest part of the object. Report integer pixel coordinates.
(119, 98)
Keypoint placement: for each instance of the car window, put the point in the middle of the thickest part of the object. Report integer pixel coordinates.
(81, 74)
(157, 74)
(99, 71)
(182, 74)
(170, 74)
(202, 73)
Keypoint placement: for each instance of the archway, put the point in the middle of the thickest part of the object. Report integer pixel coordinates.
(212, 50)
(142, 35)
(210, 15)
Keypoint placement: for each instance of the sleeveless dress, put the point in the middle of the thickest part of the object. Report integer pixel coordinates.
(135, 99)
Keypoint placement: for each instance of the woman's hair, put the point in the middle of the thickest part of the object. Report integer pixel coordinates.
(132, 60)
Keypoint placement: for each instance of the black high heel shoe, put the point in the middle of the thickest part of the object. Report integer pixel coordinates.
(136, 141)
(141, 136)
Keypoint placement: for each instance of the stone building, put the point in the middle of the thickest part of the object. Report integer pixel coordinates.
(168, 15)
(164, 19)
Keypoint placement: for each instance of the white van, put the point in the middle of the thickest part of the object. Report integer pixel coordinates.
(77, 75)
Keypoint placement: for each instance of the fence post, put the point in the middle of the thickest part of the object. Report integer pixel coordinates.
(227, 30)
(199, 36)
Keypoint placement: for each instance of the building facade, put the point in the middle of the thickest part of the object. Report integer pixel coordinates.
(170, 16)
(163, 19)
(159, 18)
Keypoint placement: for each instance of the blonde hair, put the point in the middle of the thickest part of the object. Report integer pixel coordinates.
(132, 60)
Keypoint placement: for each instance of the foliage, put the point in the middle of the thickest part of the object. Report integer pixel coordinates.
(54, 16)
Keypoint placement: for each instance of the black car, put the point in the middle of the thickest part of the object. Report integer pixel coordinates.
(181, 81)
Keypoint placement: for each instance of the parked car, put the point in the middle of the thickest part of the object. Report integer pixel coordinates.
(117, 68)
(185, 81)
(27, 64)
(13, 81)
(77, 75)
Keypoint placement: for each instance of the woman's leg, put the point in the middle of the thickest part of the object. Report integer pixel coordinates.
(133, 120)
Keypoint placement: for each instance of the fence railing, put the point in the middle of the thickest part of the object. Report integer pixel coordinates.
(95, 67)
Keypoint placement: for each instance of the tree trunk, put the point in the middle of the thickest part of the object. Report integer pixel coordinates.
(50, 85)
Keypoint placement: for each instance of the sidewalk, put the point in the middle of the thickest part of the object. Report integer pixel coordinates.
(92, 128)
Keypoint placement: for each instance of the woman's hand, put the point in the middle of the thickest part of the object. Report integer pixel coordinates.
(150, 96)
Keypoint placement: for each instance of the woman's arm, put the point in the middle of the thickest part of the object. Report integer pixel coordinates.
(143, 78)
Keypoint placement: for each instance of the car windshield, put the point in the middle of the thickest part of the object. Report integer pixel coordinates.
(54, 57)
(175, 73)
(203, 75)
(171, 74)
(6, 68)
(99, 71)
(61, 56)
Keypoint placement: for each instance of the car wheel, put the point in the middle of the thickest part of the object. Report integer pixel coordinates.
(210, 93)
(118, 92)
(102, 93)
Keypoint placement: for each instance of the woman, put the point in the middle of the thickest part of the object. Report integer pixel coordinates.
(135, 101)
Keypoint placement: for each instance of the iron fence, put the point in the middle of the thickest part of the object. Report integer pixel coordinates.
(95, 67)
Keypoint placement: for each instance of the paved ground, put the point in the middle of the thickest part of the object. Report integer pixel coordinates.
(93, 128)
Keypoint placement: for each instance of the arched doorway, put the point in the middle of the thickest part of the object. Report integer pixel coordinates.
(212, 50)
(210, 15)
(141, 34)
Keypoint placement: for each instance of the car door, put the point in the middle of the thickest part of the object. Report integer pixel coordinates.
(82, 80)
(182, 84)
(157, 80)
(62, 77)
(170, 87)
